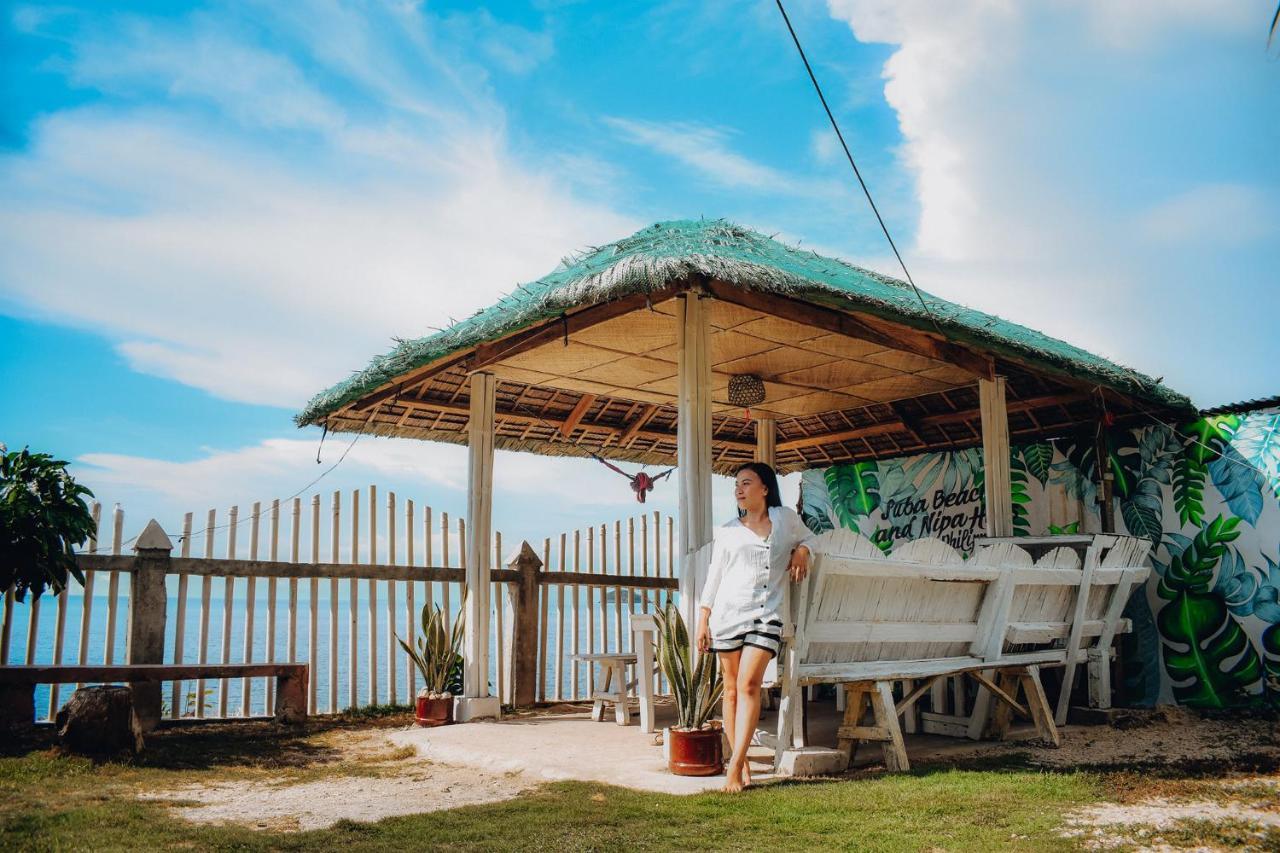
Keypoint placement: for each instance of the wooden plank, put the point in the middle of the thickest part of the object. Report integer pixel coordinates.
(179, 627)
(313, 628)
(353, 600)
(272, 584)
(371, 629)
(113, 588)
(995, 456)
(813, 673)
(838, 436)
(1091, 558)
(477, 558)
(576, 415)
(334, 533)
(206, 594)
(228, 594)
(891, 632)
(636, 425)
(86, 601)
(66, 674)
(250, 601)
(392, 693)
(410, 606)
(855, 325)
(560, 620)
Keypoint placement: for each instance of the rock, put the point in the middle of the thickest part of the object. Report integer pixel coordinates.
(100, 721)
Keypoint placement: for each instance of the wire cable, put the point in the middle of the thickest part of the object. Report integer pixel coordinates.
(857, 173)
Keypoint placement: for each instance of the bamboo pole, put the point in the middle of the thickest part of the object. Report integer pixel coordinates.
(373, 597)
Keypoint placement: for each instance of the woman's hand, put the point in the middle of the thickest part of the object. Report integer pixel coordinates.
(799, 567)
(703, 635)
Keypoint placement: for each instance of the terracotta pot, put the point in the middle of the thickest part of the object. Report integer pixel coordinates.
(433, 712)
(695, 752)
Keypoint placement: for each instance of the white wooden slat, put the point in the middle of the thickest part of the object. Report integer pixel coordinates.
(228, 593)
(372, 630)
(272, 587)
(392, 697)
(59, 638)
(560, 620)
(313, 628)
(444, 587)
(497, 609)
(334, 536)
(544, 624)
(176, 702)
(353, 604)
(86, 602)
(33, 629)
(250, 611)
(892, 632)
(206, 601)
(617, 590)
(574, 638)
(1091, 559)
(410, 606)
(591, 609)
(113, 587)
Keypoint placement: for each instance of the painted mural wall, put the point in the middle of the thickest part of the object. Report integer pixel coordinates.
(1207, 494)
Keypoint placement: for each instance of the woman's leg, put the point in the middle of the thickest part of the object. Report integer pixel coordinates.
(729, 671)
(751, 669)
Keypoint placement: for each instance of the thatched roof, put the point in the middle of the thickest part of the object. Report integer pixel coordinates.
(763, 278)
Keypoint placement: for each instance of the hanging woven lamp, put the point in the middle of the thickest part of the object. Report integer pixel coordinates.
(746, 390)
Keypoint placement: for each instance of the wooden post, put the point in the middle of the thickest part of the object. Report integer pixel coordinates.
(476, 701)
(520, 637)
(693, 442)
(1106, 480)
(767, 442)
(995, 456)
(148, 601)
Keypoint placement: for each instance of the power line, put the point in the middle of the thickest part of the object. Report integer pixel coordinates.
(857, 173)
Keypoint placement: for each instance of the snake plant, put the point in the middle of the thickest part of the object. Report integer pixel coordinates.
(437, 649)
(696, 690)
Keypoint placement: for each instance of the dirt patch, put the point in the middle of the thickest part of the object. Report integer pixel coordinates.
(362, 778)
(1166, 737)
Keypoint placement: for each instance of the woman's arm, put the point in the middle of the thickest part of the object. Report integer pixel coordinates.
(802, 553)
(708, 598)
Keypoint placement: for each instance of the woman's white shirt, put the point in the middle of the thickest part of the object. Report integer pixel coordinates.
(749, 573)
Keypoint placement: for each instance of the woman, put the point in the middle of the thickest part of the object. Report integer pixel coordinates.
(740, 611)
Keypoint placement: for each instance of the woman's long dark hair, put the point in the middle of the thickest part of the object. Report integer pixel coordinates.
(767, 477)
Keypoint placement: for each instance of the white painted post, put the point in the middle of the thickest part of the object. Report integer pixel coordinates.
(693, 442)
(476, 702)
(995, 456)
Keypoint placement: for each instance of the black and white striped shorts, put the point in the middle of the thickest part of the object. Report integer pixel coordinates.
(761, 635)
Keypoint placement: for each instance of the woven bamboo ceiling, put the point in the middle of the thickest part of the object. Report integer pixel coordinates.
(841, 385)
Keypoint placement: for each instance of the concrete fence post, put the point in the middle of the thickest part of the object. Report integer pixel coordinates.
(520, 628)
(148, 602)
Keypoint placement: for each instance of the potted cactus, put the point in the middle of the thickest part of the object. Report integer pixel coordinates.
(438, 660)
(694, 742)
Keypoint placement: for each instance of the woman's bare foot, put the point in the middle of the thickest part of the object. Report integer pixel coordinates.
(733, 782)
(746, 773)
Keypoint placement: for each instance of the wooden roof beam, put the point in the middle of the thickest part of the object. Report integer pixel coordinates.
(638, 424)
(1012, 406)
(841, 323)
(575, 416)
(841, 436)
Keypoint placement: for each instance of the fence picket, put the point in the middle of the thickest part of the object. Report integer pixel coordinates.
(228, 591)
(206, 597)
(179, 624)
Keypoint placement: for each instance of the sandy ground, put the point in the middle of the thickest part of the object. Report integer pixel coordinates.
(373, 791)
(377, 781)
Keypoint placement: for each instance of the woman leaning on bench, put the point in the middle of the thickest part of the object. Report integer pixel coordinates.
(740, 611)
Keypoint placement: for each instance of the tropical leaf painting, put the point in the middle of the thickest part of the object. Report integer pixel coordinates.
(1236, 584)
(1037, 458)
(1258, 441)
(1271, 663)
(1204, 440)
(815, 502)
(1018, 494)
(1207, 654)
(854, 490)
(1240, 484)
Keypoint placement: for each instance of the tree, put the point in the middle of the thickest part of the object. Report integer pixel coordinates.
(43, 517)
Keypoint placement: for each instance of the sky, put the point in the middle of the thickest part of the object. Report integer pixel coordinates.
(211, 211)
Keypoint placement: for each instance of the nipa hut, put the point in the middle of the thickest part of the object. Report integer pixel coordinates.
(703, 344)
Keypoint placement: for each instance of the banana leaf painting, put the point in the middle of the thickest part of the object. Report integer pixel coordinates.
(1206, 494)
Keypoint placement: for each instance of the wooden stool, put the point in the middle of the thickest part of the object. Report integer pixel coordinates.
(615, 673)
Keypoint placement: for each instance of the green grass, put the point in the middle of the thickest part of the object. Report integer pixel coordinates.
(54, 802)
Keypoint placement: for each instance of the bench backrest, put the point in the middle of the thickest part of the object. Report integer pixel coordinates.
(926, 602)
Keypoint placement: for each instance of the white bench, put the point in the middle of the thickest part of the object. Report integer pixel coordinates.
(870, 622)
(615, 687)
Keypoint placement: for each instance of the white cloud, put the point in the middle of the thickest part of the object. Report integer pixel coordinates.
(706, 151)
(1212, 215)
(260, 269)
(1045, 145)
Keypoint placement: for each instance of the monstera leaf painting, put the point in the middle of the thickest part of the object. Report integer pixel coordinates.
(815, 502)
(1266, 606)
(854, 490)
(1240, 484)
(1205, 439)
(1258, 441)
(1207, 654)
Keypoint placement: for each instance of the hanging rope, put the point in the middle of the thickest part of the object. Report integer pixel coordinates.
(641, 483)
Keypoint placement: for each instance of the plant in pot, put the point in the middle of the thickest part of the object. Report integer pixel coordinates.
(694, 742)
(440, 663)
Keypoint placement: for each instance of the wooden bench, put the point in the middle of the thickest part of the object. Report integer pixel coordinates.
(18, 683)
(615, 674)
(871, 622)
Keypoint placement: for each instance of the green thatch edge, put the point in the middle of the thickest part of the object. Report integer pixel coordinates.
(670, 251)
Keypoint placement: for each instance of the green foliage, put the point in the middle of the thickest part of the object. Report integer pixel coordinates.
(1207, 654)
(696, 691)
(1018, 494)
(815, 502)
(854, 491)
(1205, 439)
(437, 654)
(43, 517)
(1258, 441)
(1038, 457)
(1065, 530)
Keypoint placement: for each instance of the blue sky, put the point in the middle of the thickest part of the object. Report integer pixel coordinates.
(210, 211)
